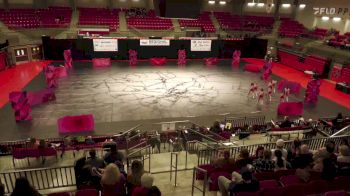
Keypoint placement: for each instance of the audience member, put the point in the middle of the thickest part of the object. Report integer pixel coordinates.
(280, 161)
(329, 170)
(224, 161)
(265, 163)
(2, 190)
(113, 155)
(286, 123)
(112, 181)
(280, 146)
(146, 185)
(134, 177)
(94, 161)
(259, 153)
(244, 182)
(330, 148)
(344, 155)
(338, 121)
(244, 159)
(154, 191)
(23, 188)
(303, 159)
(294, 151)
(216, 127)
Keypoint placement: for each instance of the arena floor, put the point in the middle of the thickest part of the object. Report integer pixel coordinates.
(121, 97)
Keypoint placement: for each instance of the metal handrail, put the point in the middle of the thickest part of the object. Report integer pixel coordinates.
(204, 136)
(195, 142)
(136, 146)
(174, 166)
(129, 130)
(215, 134)
(341, 130)
(148, 147)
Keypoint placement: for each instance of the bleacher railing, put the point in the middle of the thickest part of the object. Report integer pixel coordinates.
(207, 155)
(141, 154)
(197, 170)
(41, 178)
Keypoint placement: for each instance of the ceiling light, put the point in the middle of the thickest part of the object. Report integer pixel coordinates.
(325, 18)
(211, 2)
(222, 2)
(302, 6)
(251, 4)
(336, 19)
(286, 5)
(261, 4)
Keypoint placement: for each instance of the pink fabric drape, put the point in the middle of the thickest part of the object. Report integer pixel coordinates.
(20, 104)
(132, 57)
(101, 62)
(68, 61)
(76, 124)
(293, 86)
(2, 61)
(312, 91)
(236, 58)
(290, 108)
(51, 77)
(158, 61)
(40, 97)
(181, 57)
(211, 61)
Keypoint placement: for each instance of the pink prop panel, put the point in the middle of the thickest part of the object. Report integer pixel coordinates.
(21, 106)
(336, 73)
(2, 61)
(290, 108)
(61, 72)
(68, 61)
(236, 58)
(211, 61)
(158, 61)
(181, 57)
(132, 57)
(76, 124)
(51, 77)
(40, 97)
(293, 86)
(312, 91)
(101, 62)
(252, 68)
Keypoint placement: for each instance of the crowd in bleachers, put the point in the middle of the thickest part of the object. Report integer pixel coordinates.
(275, 170)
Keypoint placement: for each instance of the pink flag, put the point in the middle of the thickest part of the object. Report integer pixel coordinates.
(158, 61)
(290, 108)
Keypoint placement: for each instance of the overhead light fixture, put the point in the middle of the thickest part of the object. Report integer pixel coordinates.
(251, 4)
(260, 4)
(325, 18)
(302, 6)
(336, 19)
(222, 2)
(286, 5)
(211, 2)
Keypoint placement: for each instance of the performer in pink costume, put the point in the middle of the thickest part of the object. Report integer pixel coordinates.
(269, 90)
(181, 57)
(312, 91)
(267, 69)
(261, 96)
(253, 90)
(132, 57)
(274, 83)
(68, 61)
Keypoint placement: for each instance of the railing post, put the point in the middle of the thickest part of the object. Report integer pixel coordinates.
(173, 166)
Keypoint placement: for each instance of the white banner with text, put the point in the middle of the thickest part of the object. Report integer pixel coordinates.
(200, 45)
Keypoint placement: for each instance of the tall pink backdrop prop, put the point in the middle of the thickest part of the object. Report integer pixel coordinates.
(132, 57)
(267, 70)
(181, 57)
(21, 106)
(312, 91)
(236, 58)
(68, 61)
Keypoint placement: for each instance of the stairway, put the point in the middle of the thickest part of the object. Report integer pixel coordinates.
(218, 26)
(72, 30)
(122, 22)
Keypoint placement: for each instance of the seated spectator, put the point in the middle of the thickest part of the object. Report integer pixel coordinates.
(301, 121)
(338, 121)
(280, 161)
(344, 156)
(286, 123)
(23, 188)
(280, 146)
(265, 163)
(259, 153)
(86, 180)
(146, 185)
(134, 177)
(94, 161)
(32, 143)
(330, 148)
(2, 190)
(113, 155)
(216, 127)
(42, 144)
(244, 159)
(303, 159)
(154, 191)
(294, 151)
(226, 160)
(244, 182)
(89, 140)
(112, 181)
(329, 170)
